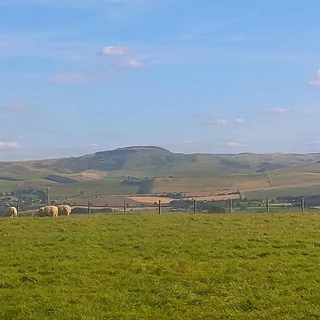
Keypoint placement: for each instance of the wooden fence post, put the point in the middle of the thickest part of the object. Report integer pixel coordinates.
(302, 204)
(124, 208)
(194, 206)
(230, 205)
(18, 206)
(89, 207)
(48, 195)
(159, 208)
(267, 205)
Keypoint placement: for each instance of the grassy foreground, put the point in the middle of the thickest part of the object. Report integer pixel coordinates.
(161, 267)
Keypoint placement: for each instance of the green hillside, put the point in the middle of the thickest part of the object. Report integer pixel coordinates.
(128, 170)
(152, 161)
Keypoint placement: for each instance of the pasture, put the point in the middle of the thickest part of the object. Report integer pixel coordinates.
(239, 266)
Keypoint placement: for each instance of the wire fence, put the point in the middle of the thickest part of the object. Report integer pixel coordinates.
(182, 206)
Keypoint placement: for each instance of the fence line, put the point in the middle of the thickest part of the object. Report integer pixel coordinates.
(195, 206)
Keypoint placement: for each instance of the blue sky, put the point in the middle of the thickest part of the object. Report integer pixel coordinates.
(79, 76)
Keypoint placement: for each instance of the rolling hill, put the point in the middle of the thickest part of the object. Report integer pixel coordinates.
(149, 169)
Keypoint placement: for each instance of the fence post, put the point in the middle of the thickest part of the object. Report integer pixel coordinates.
(267, 205)
(230, 205)
(124, 208)
(194, 206)
(159, 208)
(18, 206)
(48, 195)
(89, 207)
(52, 202)
(302, 204)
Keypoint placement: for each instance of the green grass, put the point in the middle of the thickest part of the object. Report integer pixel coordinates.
(237, 266)
(7, 186)
(274, 193)
(91, 188)
(21, 172)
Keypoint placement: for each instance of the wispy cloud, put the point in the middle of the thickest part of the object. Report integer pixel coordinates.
(92, 145)
(232, 145)
(21, 111)
(115, 50)
(211, 120)
(9, 145)
(131, 64)
(240, 121)
(316, 82)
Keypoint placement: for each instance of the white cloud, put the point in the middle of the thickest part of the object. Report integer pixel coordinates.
(209, 120)
(222, 121)
(92, 145)
(132, 64)
(9, 145)
(115, 51)
(240, 121)
(232, 145)
(316, 82)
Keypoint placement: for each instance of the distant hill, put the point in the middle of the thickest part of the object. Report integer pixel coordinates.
(128, 170)
(152, 161)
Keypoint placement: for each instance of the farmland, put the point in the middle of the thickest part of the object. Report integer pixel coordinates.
(135, 172)
(239, 266)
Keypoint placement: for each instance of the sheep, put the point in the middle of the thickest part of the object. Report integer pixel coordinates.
(11, 212)
(51, 211)
(64, 210)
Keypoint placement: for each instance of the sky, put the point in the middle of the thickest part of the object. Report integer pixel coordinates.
(81, 76)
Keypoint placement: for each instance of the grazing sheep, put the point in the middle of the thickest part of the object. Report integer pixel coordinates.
(48, 211)
(11, 212)
(64, 210)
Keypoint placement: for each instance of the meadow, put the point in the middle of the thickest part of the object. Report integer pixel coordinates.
(146, 266)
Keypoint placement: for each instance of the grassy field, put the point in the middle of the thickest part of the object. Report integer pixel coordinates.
(237, 266)
(6, 186)
(277, 192)
(207, 183)
(92, 188)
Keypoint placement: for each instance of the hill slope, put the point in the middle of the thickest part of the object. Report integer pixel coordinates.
(151, 161)
(121, 171)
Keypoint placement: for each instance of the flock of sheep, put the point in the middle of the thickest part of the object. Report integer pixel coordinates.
(46, 211)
